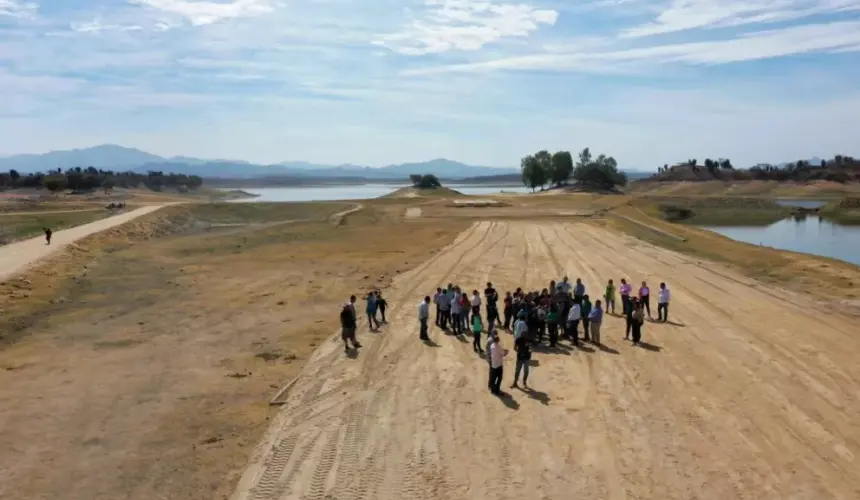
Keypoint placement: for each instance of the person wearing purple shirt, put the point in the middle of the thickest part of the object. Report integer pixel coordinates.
(625, 290)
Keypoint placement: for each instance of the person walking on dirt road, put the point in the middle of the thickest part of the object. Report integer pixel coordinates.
(476, 303)
(444, 309)
(48, 234)
(382, 304)
(663, 297)
(497, 365)
(424, 317)
(573, 318)
(347, 327)
(524, 355)
(371, 307)
(552, 324)
(595, 320)
(456, 324)
(628, 318)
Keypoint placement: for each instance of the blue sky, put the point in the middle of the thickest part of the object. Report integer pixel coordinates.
(481, 81)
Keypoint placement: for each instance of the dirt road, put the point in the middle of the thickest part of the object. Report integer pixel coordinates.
(747, 394)
(17, 256)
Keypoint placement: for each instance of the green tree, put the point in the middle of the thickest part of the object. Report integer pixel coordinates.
(426, 181)
(14, 175)
(544, 159)
(602, 173)
(562, 167)
(108, 184)
(55, 183)
(533, 174)
(584, 158)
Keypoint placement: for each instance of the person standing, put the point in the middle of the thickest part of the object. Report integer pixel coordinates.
(492, 297)
(578, 289)
(565, 285)
(628, 318)
(595, 320)
(638, 319)
(521, 327)
(573, 318)
(497, 364)
(625, 290)
(552, 324)
(465, 305)
(524, 355)
(382, 304)
(645, 297)
(444, 309)
(436, 298)
(456, 324)
(423, 318)
(509, 310)
(477, 328)
(586, 317)
(370, 308)
(347, 327)
(663, 303)
(476, 303)
(609, 295)
(48, 234)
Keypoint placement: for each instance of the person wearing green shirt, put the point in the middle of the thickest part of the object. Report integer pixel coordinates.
(610, 297)
(586, 310)
(552, 324)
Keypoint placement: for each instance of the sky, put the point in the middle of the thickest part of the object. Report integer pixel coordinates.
(485, 82)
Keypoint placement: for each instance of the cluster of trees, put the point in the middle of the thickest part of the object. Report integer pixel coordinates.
(426, 181)
(557, 169)
(838, 169)
(90, 178)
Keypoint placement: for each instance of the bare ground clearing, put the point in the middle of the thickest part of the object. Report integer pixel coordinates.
(138, 363)
(747, 394)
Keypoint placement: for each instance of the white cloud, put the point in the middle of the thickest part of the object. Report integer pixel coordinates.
(96, 26)
(18, 8)
(681, 15)
(835, 36)
(465, 25)
(200, 13)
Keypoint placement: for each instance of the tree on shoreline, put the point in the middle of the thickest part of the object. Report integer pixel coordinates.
(426, 181)
(557, 169)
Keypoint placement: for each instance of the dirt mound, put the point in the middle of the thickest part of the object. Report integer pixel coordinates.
(411, 192)
(478, 203)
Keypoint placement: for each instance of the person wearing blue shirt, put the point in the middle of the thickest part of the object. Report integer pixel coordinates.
(578, 289)
(595, 319)
(372, 305)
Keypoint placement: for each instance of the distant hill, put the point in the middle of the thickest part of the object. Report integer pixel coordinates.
(838, 169)
(112, 157)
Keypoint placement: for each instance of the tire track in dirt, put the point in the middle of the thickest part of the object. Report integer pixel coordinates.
(269, 484)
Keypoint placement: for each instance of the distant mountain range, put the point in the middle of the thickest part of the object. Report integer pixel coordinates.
(112, 157)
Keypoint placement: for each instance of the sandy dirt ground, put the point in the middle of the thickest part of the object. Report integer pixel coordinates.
(16, 257)
(745, 394)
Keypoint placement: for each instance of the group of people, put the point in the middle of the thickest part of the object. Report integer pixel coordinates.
(554, 312)
(374, 303)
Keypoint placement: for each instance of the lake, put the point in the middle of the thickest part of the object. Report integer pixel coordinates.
(810, 234)
(808, 204)
(357, 192)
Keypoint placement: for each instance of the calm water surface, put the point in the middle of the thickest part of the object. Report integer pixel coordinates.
(359, 192)
(811, 234)
(809, 204)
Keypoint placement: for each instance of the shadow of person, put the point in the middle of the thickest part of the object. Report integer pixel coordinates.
(462, 338)
(352, 353)
(649, 347)
(430, 343)
(534, 362)
(675, 323)
(537, 395)
(557, 349)
(509, 400)
(606, 348)
(584, 347)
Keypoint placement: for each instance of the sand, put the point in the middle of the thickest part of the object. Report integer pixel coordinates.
(745, 394)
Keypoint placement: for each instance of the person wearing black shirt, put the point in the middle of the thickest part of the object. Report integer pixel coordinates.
(381, 304)
(348, 325)
(509, 310)
(524, 355)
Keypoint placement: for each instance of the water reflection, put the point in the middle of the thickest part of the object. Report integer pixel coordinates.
(801, 233)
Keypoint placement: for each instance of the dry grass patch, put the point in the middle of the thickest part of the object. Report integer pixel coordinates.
(159, 343)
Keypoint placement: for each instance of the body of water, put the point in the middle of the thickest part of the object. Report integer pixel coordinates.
(357, 192)
(810, 234)
(808, 204)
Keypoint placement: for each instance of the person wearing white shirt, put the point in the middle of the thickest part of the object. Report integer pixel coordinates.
(497, 364)
(456, 320)
(521, 327)
(573, 318)
(663, 303)
(476, 303)
(424, 317)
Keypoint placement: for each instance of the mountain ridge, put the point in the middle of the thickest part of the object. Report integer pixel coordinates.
(113, 157)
